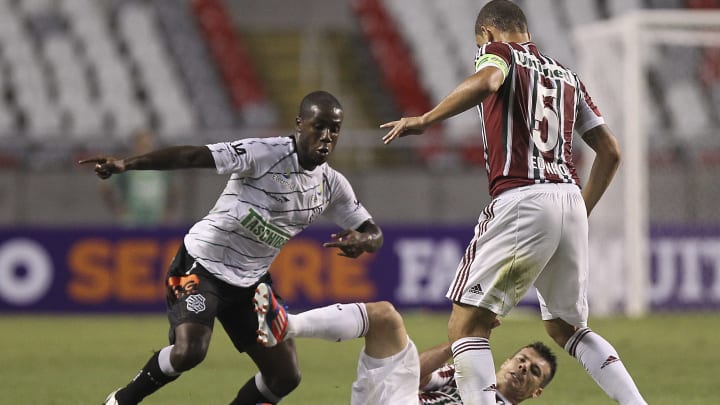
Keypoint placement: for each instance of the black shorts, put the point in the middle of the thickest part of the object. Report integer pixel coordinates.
(195, 295)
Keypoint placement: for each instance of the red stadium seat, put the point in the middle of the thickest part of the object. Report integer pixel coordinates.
(391, 55)
(229, 52)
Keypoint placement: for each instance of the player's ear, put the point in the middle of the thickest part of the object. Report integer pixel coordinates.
(298, 123)
(537, 392)
(489, 33)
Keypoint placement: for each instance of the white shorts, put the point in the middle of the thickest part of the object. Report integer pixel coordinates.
(537, 235)
(392, 380)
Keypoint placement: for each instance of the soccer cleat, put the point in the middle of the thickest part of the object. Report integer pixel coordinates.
(272, 317)
(110, 400)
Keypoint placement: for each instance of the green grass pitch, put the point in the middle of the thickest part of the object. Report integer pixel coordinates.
(79, 359)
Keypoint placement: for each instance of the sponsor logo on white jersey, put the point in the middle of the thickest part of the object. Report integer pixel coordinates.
(263, 230)
(284, 179)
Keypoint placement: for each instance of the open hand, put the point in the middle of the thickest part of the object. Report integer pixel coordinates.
(350, 242)
(403, 127)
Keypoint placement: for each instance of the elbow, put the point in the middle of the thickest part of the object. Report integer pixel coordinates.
(615, 156)
(380, 241)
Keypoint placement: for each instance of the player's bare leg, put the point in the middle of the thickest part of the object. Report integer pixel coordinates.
(386, 335)
(279, 374)
(191, 343)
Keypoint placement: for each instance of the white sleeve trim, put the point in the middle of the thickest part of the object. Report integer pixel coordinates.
(586, 118)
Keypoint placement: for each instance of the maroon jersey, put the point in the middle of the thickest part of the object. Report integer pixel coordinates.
(527, 125)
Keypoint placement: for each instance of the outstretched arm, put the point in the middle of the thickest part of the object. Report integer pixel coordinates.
(176, 157)
(471, 92)
(605, 165)
(367, 237)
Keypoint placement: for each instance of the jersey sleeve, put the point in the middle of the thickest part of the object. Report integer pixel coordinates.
(235, 157)
(588, 115)
(441, 377)
(495, 54)
(344, 209)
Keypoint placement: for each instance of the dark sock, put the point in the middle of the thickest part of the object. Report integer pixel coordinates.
(147, 381)
(249, 395)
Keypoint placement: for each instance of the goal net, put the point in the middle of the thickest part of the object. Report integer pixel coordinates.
(655, 75)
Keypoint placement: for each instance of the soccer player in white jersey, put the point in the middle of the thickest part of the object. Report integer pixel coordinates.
(389, 369)
(277, 187)
(535, 229)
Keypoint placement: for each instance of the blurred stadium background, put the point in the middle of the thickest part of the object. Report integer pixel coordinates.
(80, 77)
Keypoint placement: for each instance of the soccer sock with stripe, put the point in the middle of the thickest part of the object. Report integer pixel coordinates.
(255, 391)
(603, 364)
(474, 371)
(334, 322)
(150, 379)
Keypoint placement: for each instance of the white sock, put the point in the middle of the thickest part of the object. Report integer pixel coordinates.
(334, 322)
(602, 362)
(164, 360)
(265, 390)
(474, 371)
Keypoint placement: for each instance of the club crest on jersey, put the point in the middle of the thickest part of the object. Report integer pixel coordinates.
(318, 194)
(195, 303)
(263, 230)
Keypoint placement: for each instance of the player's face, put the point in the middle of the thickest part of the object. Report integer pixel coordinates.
(317, 135)
(523, 374)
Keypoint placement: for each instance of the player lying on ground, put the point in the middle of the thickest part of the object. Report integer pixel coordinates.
(390, 370)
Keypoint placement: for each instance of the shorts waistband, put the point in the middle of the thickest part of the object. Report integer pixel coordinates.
(540, 188)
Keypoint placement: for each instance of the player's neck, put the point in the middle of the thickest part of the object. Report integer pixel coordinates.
(518, 37)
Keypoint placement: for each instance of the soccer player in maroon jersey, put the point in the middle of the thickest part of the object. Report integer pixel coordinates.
(535, 229)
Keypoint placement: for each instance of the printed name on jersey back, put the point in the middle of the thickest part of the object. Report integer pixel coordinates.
(548, 69)
(560, 169)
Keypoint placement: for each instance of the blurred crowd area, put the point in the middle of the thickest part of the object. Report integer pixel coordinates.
(80, 77)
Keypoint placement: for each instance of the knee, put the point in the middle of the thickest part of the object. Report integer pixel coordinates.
(559, 330)
(383, 315)
(284, 383)
(186, 355)
(466, 321)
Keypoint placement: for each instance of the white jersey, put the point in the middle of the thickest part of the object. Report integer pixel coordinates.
(268, 199)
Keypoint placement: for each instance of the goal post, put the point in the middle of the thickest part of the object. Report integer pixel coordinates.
(622, 62)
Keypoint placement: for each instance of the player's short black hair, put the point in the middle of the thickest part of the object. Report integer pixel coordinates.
(548, 355)
(322, 99)
(503, 15)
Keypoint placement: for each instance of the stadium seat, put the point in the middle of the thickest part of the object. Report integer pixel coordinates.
(619, 7)
(7, 122)
(229, 52)
(581, 12)
(391, 54)
(666, 3)
(552, 30)
(689, 113)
